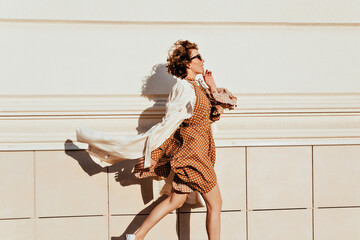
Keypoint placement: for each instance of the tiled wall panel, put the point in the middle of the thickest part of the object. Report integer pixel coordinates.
(337, 223)
(69, 185)
(72, 228)
(279, 177)
(280, 224)
(17, 229)
(16, 184)
(336, 176)
(230, 171)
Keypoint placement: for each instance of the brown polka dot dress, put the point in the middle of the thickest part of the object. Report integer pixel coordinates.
(189, 151)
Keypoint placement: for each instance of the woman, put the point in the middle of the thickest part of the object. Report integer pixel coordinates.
(181, 145)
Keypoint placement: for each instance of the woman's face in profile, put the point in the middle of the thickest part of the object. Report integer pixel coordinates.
(197, 63)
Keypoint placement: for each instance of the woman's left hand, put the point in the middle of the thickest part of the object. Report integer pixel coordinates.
(209, 80)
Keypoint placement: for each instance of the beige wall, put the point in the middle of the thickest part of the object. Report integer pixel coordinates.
(287, 192)
(287, 155)
(61, 57)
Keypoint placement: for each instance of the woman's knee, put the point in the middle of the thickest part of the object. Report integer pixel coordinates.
(177, 200)
(214, 204)
(220, 202)
(178, 205)
(213, 199)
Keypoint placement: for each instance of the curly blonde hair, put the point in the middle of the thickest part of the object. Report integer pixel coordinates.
(179, 57)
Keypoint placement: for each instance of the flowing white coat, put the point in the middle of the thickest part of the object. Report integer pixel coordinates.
(106, 149)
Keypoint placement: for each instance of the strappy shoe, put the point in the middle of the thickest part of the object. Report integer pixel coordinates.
(130, 237)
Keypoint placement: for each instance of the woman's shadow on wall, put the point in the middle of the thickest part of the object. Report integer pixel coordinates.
(156, 88)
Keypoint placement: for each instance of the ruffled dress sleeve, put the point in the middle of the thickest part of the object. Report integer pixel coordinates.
(220, 99)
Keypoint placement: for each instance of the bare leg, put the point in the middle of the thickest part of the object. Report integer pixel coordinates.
(172, 202)
(213, 204)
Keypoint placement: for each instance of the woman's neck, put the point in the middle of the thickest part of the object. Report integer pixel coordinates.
(191, 74)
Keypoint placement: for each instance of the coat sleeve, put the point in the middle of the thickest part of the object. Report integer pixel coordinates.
(179, 107)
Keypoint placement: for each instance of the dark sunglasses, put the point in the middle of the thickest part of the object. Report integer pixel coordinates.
(197, 56)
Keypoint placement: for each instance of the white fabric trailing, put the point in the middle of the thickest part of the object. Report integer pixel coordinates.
(111, 149)
(106, 149)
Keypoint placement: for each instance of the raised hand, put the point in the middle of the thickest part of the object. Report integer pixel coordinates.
(209, 80)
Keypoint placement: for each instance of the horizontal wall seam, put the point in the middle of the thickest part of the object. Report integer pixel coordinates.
(71, 216)
(338, 207)
(215, 23)
(224, 211)
(17, 218)
(132, 214)
(276, 209)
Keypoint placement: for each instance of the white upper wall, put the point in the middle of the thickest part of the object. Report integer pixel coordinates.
(77, 58)
(111, 47)
(330, 11)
